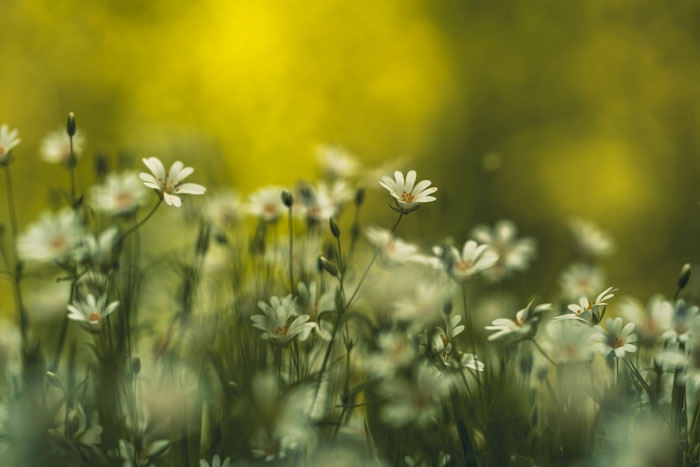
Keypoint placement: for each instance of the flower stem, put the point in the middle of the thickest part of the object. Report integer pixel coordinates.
(291, 251)
(542, 352)
(142, 221)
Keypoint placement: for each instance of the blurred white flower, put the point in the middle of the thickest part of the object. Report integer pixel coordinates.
(91, 313)
(224, 209)
(418, 401)
(651, 321)
(266, 204)
(281, 322)
(120, 194)
(55, 147)
(513, 254)
(336, 162)
(474, 259)
(408, 195)
(215, 462)
(395, 351)
(581, 280)
(52, 238)
(568, 341)
(98, 251)
(313, 305)
(590, 239)
(324, 201)
(615, 338)
(424, 307)
(170, 184)
(681, 323)
(523, 325)
(393, 249)
(8, 140)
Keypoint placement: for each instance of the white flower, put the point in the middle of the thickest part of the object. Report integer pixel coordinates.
(170, 184)
(8, 140)
(280, 321)
(313, 305)
(586, 311)
(396, 351)
(683, 316)
(524, 324)
(336, 162)
(224, 209)
(590, 239)
(650, 321)
(615, 339)
(99, 252)
(424, 307)
(119, 195)
(91, 313)
(266, 204)
(215, 462)
(324, 201)
(408, 195)
(581, 280)
(418, 401)
(55, 148)
(394, 250)
(513, 254)
(52, 238)
(569, 341)
(474, 259)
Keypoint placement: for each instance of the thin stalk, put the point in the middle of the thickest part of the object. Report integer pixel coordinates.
(142, 221)
(542, 352)
(291, 251)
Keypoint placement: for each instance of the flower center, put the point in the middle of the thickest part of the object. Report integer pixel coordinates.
(616, 342)
(2, 150)
(281, 330)
(407, 197)
(463, 265)
(94, 317)
(58, 243)
(519, 321)
(123, 199)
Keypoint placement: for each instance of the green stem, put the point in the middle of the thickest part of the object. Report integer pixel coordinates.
(541, 350)
(142, 221)
(291, 255)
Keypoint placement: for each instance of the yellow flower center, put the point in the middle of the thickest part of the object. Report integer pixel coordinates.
(94, 317)
(407, 197)
(281, 330)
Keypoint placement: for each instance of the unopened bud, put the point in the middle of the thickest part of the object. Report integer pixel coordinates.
(327, 266)
(54, 380)
(447, 308)
(335, 230)
(684, 276)
(70, 125)
(135, 365)
(359, 196)
(287, 198)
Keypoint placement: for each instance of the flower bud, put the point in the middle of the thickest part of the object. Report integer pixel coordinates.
(70, 125)
(359, 196)
(287, 198)
(684, 276)
(135, 365)
(335, 230)
(327, 266)
(54, 380)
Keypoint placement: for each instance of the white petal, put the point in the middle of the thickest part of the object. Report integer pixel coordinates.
(155, 166)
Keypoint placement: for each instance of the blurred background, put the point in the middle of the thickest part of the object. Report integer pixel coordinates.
(531, 112)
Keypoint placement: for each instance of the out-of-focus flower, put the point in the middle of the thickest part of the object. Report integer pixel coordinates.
(8, 140)
(514, 254)
(590, 239)
(395, 351)
(119, 195)
(55, 147)
(474, 259)
(215, 462)
(224, 209)
(417, 401)
(281, 322)
(142, 455)
(615, 338)
(568, 341)
(681, 323)
(524, 324)
(424, 307)
(589, 312)
(98, 251)
(408, 195)
(170, 184)
(581, 280)
(52, 238)
(336, 162)
(266, 204)
(324, 201)
(91, 313)
(313, 305)
(393, 249)
(649, 322)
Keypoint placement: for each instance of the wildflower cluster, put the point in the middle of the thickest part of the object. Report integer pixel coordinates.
(276, 327)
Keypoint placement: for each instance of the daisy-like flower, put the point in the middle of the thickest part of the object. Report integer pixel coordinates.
(615, 338)
(514, 254)
(281, 322)
(170, 184)
(650, 321)
(215, 462)
(55, 147)
(396, 351)
(98, 251)
(408, 195)
(681, 324)
(8, 141)
(568, 341)
(336, 162)
(224, 209)
(91, 313)
(590, 239)
(324, 200)
(589, 312)
(52, 238)
(266, 204)
(394, 250)
(313, 305)
(119, 195)
(581, 280)
(474, 259)
(425, 307)
(442, 345)
(523, 325)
